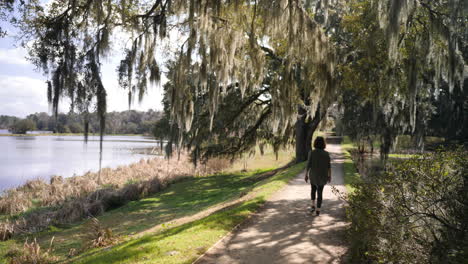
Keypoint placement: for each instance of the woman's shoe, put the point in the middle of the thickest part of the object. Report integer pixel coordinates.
(312, 209)
(318, 212)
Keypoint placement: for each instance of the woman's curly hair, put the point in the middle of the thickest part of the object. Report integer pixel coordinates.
(319, 143)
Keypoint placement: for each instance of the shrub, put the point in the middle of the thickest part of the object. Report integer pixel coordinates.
(416, 211)
(132, 191)
(23, 126)
(31, 253)
(97, 235)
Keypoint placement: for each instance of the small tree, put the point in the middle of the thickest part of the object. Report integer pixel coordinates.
(76, 127)
(23, 126)
(162, 130)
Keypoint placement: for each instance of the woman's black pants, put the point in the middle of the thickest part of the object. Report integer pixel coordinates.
(319, 189)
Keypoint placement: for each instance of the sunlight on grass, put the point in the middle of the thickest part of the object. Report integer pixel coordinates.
(266, 161)
(404, 156)
(351, 175)
(182, 199)
(171, 246)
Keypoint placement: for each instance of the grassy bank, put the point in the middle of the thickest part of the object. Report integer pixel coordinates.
(148, 213)
(133, 224)
(170, 246)
(351, 175)
(38, 205)
(38, 193)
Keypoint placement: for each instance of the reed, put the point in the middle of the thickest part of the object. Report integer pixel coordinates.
(36, 205)
(97, 235)
(32, 253)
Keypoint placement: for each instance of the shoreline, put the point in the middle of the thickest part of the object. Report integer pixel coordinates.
(37, 204)
(68, 134)
(47, 179)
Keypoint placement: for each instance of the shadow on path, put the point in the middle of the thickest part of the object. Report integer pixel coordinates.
(285, 232)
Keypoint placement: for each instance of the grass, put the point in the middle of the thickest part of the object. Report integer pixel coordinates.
(38, 193)
(182, 199)
(257, 161)
(403, 156)
(351, 175)
(171, 245)
(350, 172)
(178, 200)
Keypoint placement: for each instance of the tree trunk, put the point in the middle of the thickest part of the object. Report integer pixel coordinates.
(305, 131)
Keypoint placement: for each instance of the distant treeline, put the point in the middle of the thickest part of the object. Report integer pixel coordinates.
(126, 122)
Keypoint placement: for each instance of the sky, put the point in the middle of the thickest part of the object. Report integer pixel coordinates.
(23, 89)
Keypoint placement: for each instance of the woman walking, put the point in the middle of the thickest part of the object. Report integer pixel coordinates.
(318, 171)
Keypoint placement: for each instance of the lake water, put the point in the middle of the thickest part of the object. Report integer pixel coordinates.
(30, 157)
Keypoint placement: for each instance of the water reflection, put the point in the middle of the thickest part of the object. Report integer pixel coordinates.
(30, 157)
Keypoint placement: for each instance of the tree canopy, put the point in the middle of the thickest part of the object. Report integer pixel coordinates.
(296, 54)
(125, 122)
(22, 126)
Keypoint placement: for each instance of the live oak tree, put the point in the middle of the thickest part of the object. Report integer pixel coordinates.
(398, 73)
(227, 39)
(227, 50)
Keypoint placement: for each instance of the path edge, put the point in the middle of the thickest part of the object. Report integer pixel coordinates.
(245, 221)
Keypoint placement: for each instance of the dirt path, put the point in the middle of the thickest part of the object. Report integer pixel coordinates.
(285, 232)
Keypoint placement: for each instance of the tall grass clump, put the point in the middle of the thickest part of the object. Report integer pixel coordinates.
(415, 211)
(35, 205)
(32, 253)
(97, 235)
(6, 230)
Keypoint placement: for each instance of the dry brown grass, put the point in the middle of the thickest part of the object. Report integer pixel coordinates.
(71, 199)
(31, 253)
(97, 235)
(6, 230)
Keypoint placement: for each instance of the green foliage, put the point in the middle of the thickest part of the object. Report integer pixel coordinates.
(374, 89)
(76, 127)
(242, 120)
(393, 53)
(126, 122)
(162, 129)
(357, 120)
(414, 212)
(450, 117)
(393, 70)
(23, 126)
(351, 175)
(7, 121)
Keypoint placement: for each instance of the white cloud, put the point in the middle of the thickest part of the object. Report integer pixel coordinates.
(21, 96)
(23, 91)
(14, 56)
(117, 98)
